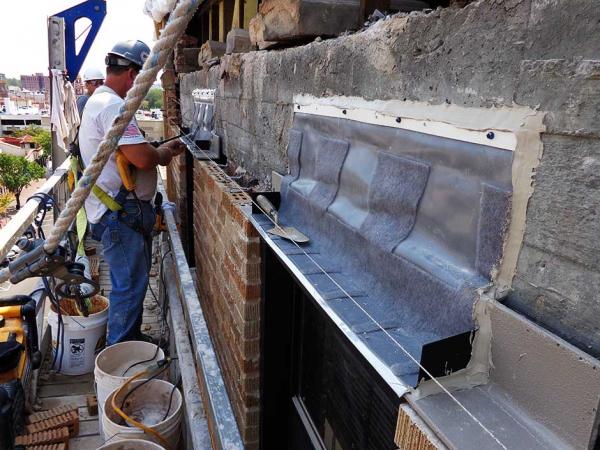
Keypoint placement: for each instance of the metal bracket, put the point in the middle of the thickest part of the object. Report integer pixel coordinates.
(95, 11)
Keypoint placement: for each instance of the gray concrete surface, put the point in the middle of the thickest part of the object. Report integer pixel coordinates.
(535, 53)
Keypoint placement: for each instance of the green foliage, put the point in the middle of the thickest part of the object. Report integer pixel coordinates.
(5, 201)
(17, 173)
(13, 82)
(154, 98)
(41, 137)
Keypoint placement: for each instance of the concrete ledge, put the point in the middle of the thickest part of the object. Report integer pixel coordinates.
(543, 393)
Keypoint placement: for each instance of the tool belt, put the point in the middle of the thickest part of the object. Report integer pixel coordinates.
(137, 214)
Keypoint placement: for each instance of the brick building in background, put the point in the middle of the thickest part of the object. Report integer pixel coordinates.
(37, 82)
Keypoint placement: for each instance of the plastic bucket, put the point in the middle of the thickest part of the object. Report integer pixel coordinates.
(84, 337)
(132, 444)
(148, 404)
(115, 364)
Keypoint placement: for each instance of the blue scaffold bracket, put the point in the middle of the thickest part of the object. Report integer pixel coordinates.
(95, 11)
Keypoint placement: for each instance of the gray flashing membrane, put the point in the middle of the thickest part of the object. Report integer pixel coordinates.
(409, 224)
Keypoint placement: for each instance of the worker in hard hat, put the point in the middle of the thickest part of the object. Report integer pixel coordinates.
(123, 220)
(92, 79)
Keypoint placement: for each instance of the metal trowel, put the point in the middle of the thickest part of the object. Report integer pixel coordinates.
(289, 233)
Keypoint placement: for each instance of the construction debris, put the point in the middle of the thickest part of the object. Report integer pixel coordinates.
(92, 405)
(50, 413)
(59, 435)
(69, 420)
(238, 41)
(210, 51)
(284, 20)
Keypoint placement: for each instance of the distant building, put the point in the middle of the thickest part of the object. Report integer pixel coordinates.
(9, 123)
(2, 77)
(3, 88)
(35, 83)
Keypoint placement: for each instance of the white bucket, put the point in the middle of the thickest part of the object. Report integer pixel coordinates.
(113, 361)
(132, 444)
(83, 338)
(148, 404)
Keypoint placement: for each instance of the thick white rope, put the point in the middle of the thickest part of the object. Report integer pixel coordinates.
(176, 25)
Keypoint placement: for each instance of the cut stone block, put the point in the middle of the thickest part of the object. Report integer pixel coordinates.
(190, 56)
(210, 50)
(238, 41)
(285, 20)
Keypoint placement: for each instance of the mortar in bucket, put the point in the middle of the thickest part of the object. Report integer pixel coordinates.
(132, 444)
(117, 363)
(83, 337)
(155, 403)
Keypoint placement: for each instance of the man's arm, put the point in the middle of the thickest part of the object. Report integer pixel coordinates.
(145, 157)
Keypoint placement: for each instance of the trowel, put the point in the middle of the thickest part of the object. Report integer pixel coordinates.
(289, 233)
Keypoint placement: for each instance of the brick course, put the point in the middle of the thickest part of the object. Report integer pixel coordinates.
(227, 252)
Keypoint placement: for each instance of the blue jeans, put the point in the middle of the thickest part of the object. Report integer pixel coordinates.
(128, 253)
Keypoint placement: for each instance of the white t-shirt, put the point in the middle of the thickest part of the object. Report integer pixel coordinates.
(98, 115)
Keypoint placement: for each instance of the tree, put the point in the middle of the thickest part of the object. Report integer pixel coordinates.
(13, 82)
(155, 98)
(17, 173)
(42, 137)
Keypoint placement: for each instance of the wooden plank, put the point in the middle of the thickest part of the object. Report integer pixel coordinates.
(250, 10)
(58, 390)
(225, 18)
(53, 402)
(88, 428)
(86, 443)
(60, 378)
(84, 414)
(237, 14)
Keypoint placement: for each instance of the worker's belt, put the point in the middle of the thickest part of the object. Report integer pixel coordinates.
(136, 214)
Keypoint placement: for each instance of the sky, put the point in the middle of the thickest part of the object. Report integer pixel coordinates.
(24, 35)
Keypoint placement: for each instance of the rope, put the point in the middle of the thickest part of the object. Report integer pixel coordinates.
(163, 47)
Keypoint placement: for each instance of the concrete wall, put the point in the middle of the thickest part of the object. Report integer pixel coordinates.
(502, 53)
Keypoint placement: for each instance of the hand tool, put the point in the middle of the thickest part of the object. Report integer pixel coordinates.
(289, 233)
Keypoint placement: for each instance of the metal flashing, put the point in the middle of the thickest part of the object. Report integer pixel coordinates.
(491, 137)
(382, 369)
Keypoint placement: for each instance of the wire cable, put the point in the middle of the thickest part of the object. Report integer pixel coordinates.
(369, 316)
(130, 420)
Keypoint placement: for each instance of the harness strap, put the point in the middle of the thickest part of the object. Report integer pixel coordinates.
(106, 199)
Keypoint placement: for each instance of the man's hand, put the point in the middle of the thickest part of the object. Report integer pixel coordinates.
(175, 147)
(169, 150)
(145, 157)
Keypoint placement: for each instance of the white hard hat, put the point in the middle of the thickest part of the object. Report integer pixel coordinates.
(92, 73)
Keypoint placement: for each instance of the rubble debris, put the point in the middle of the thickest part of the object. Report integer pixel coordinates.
(44, 415)
(209, 52)
(91, 402)
(238, 41)
(283, 20)
(69, 420)
(56, 436)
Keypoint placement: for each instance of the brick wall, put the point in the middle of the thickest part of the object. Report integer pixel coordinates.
(227, 255)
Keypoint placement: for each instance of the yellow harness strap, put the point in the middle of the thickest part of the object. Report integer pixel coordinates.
(106, 199)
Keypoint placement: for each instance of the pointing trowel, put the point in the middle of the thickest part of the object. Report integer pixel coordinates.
(289, 233)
